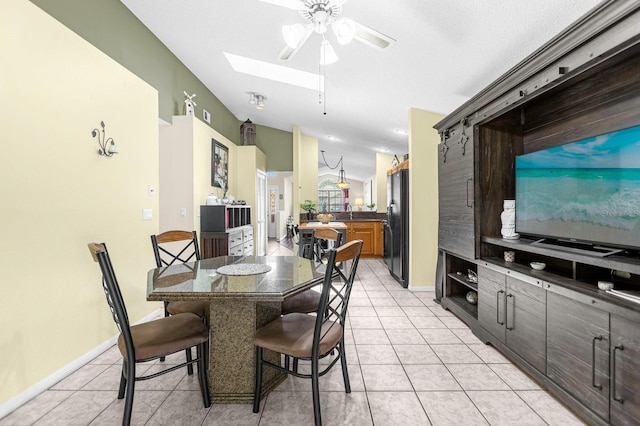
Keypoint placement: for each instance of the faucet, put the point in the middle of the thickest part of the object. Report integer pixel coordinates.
(350, 211)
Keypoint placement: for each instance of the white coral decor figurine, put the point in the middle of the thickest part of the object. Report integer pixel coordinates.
(508, 218)
(189, 104)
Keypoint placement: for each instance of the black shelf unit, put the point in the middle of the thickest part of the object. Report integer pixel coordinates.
(220, 218)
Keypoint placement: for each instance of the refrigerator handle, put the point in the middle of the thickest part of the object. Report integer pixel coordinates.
(390, 214)
(468, 202)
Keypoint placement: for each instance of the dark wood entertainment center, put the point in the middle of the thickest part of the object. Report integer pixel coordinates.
(581, 343)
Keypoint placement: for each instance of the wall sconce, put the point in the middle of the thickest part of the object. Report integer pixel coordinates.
(359, 202)
(107, 146)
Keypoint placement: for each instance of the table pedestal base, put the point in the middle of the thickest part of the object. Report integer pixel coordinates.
(232, 354)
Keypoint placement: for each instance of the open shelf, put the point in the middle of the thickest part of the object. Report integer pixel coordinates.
(466, 306)
(462, 279)
(620, 262)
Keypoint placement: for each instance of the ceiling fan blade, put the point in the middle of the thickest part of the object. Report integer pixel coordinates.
(289, 4)
(289, 52)
(371, 37)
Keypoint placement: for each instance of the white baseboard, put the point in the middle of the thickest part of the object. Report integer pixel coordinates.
(422, 287)
(35, 390)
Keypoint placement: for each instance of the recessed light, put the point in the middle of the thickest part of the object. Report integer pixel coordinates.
(332, 138)
(401, 132)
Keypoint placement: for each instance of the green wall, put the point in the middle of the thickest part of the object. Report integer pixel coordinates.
(278, 147)
(112, 28)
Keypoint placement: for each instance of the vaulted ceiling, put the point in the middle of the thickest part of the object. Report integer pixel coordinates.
(445, 52)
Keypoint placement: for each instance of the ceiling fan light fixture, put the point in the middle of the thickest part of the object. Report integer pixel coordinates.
(327, 54)
(293, 34)
(344, 29)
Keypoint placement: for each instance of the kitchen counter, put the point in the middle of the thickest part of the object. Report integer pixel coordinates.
(369, 230)
(344, 217)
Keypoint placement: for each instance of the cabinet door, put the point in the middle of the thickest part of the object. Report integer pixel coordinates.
(378, 243)
(456, 232)
(491, 302)
(525, 321)
(625, 371)
(578, 351)
(364, 231)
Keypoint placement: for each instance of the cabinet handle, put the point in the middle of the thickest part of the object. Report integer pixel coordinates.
(468, 203)
(613, 372)
(498, 307)
(593, 363)
(506, 314)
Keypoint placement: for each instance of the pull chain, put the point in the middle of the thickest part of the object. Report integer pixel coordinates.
(322, 79)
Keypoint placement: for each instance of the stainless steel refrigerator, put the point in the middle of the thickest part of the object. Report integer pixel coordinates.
(397, 227)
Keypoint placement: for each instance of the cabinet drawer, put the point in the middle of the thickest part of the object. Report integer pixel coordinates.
(237, 250)
(248, 234)
(235, 238)
(248, 248)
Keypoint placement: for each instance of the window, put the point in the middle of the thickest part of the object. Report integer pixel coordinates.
(331, 199)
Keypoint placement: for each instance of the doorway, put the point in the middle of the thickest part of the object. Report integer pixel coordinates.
(272, 215)
(261, 213)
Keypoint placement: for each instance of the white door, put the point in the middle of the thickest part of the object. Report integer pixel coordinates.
(272, 216)
(261, 213)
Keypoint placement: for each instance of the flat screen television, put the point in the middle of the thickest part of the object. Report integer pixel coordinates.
(582, 192)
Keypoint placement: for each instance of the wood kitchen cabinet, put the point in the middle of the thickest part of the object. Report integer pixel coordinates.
(513, 309)
(578, 351)
(370, 232)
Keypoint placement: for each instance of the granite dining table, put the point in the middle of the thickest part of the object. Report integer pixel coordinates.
(244, 293)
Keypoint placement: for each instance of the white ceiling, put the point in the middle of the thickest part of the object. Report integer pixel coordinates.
(445, 52)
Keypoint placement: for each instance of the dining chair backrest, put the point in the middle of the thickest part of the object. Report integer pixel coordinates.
(167, 251)
(336, 290)
(320, 242)
(113, 294)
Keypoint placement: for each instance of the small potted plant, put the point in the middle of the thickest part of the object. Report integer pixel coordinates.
(371, 206)
(310, 207)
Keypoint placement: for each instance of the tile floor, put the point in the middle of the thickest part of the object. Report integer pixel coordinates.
(410, 363)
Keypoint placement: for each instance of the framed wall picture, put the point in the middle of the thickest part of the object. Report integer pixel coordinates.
(219, 165)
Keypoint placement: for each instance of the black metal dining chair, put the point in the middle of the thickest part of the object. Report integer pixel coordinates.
(151, 340)
(313, 336)
(307, 301)
(176, 247)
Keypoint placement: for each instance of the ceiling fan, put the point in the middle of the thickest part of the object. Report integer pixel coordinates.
(320, 15)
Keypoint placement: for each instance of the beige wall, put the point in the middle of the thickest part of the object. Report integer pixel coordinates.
(58, 194)
(423, 197)
(247, 160)
(185, 171)
(305, 170)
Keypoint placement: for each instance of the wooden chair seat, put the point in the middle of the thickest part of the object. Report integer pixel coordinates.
(293, 335)
(165, 336)
(201, 309)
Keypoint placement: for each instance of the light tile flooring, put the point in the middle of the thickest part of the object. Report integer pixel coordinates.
(410, 363)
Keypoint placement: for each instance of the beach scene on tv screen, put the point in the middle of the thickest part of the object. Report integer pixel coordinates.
(587, 190)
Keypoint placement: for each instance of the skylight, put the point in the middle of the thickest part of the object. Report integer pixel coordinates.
(275, 72)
